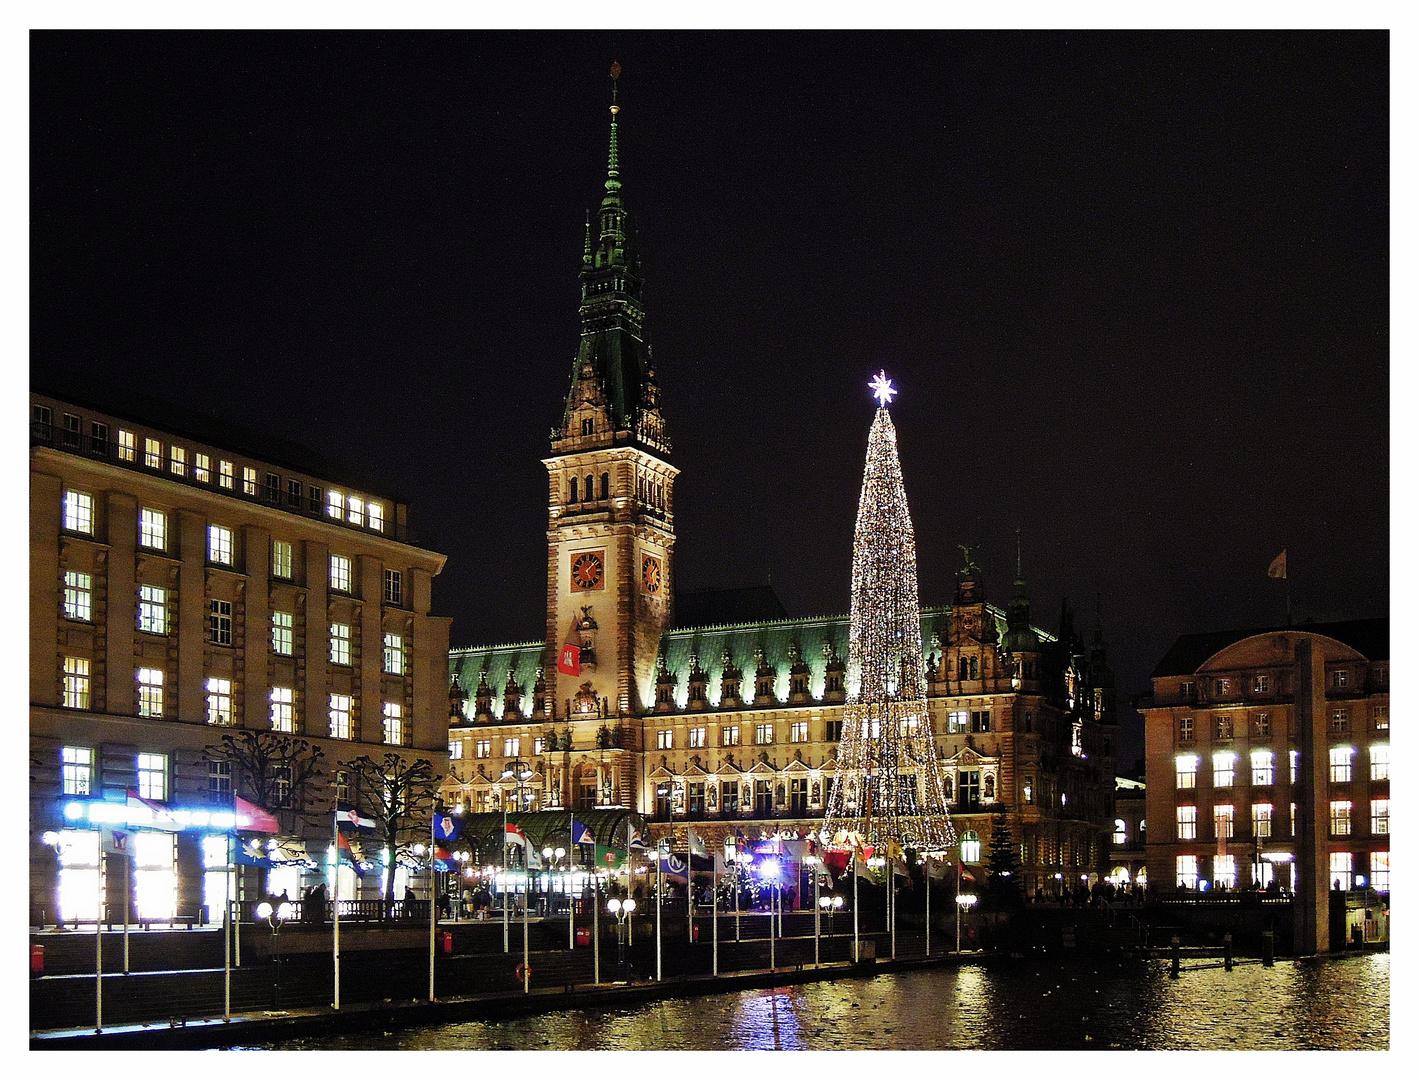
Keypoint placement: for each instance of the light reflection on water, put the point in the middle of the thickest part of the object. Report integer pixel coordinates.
(1083, 1004)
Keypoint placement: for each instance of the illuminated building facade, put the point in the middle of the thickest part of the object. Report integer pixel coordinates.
(718, 710)
(182, 589)
(1223, 750)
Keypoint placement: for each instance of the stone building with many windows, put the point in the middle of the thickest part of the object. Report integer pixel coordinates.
(1222, 752)
(182, 589)
(718, 710)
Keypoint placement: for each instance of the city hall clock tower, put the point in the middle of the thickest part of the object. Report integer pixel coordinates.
(610, 527)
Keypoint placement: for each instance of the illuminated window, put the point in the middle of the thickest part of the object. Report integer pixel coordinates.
(1261, 684)
(1342, 870)
(1187, 823)
(127, 446)
(153, 529)
(152, 453)
(1187, 871)
(340, 573)
(177, 460)
(202, 468)
(455, 750)
(1295, 764)
(1340, 764)
(248, 480)
(1262, 770)
(1223, 769)
(219, 701)
(342, 785)
(1120, 832)
(152, 609)
(219, 622)
(1223, 819)
(1381, 717)
(283, 709)
(394, 654)
(77, 769)
(155, 874)
(219, 780)
(1261, 820)
(76, 682)
(729, 736)
(697, 737)
(224, 474)
(376, 514)
(393, 587)
(958, 721)
(339, 716)
(1186, 765)
(665, 740)
(219, 545)
(151, 691)
(970, 847)
(393, 724)
(1379, 871)
(1340, 720)
(539, 745)
(339, 643)
(283, 633)
(1224, 871)
(763, 734)
(483, 748)
(78, 596)
(1261, 725)
(1184, 729)
(334, 504)
(79, 512)
(1379, 817)
(1224, 687)
(1379, 762)
(281, 559)
(1339, 680)
(798, 731)
(1339, 817)
(512, 747)
(355, 510)
(153, 778)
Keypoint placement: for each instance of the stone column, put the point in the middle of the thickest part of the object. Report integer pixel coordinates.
(1312, 903)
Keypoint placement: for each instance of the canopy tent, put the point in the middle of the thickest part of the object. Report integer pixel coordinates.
(482, 833)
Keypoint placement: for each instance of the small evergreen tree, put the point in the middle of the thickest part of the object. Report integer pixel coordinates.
(1003, 867)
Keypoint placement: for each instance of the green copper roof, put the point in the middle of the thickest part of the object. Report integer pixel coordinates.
(522, 660)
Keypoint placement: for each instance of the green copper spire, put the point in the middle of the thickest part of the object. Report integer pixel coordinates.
(612, 376)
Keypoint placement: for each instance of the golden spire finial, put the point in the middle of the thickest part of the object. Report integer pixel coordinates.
(615, 78)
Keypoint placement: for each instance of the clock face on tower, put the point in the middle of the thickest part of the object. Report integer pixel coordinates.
(588, 571)
(650, 574)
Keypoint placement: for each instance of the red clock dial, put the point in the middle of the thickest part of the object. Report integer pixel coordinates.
(650, 574)
(588, 572)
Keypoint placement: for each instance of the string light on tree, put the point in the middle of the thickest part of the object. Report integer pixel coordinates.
(888, 794)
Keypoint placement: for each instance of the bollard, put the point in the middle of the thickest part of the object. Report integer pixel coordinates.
(1177, 956)
(1268, 949)
(1226, 952)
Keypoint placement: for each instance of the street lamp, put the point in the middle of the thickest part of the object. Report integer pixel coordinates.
(276, 917)
(963, 901)
(621, 911)
(812, 861)
(519, 771)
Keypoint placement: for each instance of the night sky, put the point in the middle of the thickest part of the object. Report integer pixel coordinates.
(1133, 289)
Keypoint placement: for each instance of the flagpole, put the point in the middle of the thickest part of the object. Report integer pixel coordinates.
(816, 923)
(927, 864)
(596, 927)
(227, 933)
(335, 905)
(958, 905)
(892, 907)
(714, 912)
(433, 891)
(856, 948)
(659, 862)
(505, 948)
(127, 900)
(98, 944)
(571, 863)
(526, 903)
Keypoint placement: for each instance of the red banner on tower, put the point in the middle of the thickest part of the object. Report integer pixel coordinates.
(569, 660)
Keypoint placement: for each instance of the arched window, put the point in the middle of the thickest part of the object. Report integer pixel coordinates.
(588, 426)
(990, 787)
(590, 487)
(1120, 832)
(970, 847)
(572, 497)
(605, 485)
(975, 668)
(964, 668)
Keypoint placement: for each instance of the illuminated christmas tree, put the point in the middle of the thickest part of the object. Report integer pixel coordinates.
(887, 793)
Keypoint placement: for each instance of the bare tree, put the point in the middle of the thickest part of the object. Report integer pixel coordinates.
(272, 770)
(399, 795)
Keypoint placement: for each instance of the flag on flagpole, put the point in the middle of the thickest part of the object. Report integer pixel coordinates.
(447, 827)
(1277, 569)
(581, 833)
(966, 874)
(672, 866)
(443, 860)
(700, 858)
(115, 841)
(514, 835)
(253, 818)
(342, 853)
(609, 857)
(633, 837)
(349, 817)
(569, 659)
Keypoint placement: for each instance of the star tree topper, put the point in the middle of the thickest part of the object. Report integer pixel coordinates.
(882, 389)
